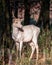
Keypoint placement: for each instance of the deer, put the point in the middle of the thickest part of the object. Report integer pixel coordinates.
(22, 34)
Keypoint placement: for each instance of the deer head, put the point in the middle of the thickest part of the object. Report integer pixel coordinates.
(17, 21)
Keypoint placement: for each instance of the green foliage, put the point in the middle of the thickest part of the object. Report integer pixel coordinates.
(45, 39)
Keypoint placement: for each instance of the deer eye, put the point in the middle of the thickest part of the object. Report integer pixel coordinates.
(16, 22)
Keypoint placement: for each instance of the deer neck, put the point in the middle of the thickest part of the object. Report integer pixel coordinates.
(20, 29)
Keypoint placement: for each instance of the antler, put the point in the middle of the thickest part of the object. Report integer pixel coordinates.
(13, 14)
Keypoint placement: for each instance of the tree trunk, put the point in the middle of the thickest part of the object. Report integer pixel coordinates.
(27, 14)
(44, 14)
(16, 8)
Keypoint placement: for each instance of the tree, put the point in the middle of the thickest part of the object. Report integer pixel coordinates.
(27, 14)
(16, 8)
(44, 15)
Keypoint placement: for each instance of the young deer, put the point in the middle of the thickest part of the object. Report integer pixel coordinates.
(29, 33)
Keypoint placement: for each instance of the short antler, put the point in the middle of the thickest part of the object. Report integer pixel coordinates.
(13, 14)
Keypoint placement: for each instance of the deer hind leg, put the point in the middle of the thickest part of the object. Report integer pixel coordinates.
(37, 51)
(36, 46)
(33, 49)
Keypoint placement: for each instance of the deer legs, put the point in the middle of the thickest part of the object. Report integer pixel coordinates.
(19, 47)
(21, 44)
(37, 51)
(34, 46)
(33, 49)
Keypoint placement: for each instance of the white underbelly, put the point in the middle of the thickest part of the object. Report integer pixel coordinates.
(27, 39)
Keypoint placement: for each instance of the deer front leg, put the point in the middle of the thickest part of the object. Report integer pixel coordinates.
(17, 47)
(21, 44)
(33, 49)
